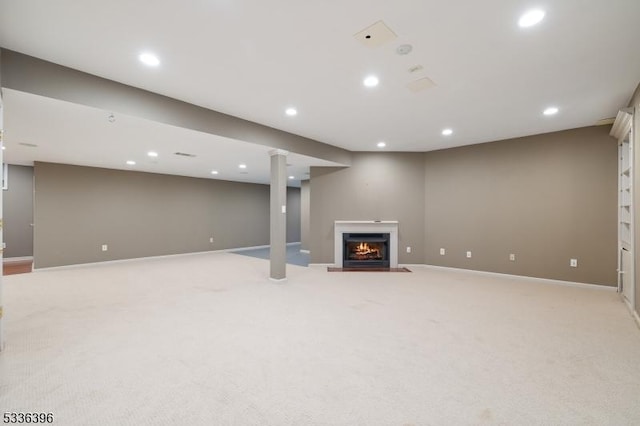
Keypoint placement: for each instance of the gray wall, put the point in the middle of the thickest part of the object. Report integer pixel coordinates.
(140, 214)
(18, 212)
(546, 198)
(293, 215)
(378, 186)
(305, 212)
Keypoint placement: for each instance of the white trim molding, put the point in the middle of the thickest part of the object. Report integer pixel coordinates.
(278, 152)
(526, 278)
(17, 259)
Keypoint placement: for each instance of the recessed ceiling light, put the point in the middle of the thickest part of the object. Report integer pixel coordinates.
(371, 81)
(381, 144)
(447, 132)
(550, 111)
(242, 166)
(291, 112)
(131, 162)
(214, 172)
(152, 154)
(291, 177)
(149, 59)
(531, 18)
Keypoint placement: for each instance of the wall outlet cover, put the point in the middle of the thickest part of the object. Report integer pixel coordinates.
(573, 263)
(512, 257)
(469, 254)
(442, 252)
(408, 249)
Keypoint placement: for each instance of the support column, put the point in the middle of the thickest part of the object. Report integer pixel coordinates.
(278, 209)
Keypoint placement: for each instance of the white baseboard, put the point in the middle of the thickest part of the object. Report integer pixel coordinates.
(321, 264)
(256, 247)
(163, 256)
(525, 278)
(17, 259)
(245, 248)
(109, 262)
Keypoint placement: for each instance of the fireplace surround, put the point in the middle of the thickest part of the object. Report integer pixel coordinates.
(373, 230)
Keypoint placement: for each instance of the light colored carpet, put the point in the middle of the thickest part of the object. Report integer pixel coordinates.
(208, 340)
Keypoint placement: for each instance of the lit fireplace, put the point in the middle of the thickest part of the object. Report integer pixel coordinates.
(365, 250)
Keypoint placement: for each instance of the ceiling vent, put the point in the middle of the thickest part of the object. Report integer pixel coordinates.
(184, 154)
(375, 35)
(420, 84)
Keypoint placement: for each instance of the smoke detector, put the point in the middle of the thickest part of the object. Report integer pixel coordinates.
(404, 49)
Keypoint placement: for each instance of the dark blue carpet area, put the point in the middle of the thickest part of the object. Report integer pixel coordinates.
(294, 256)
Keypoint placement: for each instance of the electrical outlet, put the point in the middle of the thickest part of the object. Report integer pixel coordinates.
(512, 257)
(210, 239)
(408, 249)
(469, 255)
(105, 247)
(573, 263)
(442, 252)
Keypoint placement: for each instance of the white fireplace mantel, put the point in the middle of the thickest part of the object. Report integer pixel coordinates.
(364, 226)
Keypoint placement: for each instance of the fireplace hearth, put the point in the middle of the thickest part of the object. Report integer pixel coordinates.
(364, 250)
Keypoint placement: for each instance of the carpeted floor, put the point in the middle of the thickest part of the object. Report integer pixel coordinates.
(207, 339)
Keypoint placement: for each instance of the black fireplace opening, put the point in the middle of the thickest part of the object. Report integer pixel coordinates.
(365, 250)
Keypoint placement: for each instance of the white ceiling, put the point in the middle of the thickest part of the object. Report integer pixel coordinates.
(76, 134)
(254, 58)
